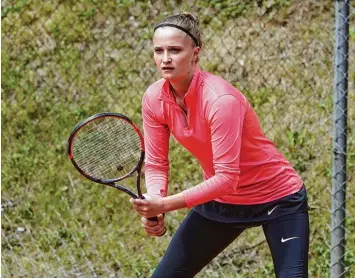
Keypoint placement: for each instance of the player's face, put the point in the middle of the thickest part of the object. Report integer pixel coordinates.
(174, 53)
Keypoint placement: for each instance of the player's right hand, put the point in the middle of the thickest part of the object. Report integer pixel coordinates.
(154, 228)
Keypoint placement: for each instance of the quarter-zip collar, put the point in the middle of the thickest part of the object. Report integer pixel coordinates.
(166, 94)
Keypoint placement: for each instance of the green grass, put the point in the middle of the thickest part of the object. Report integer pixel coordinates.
(63, 61)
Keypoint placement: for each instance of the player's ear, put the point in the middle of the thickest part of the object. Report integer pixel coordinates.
(196, 54)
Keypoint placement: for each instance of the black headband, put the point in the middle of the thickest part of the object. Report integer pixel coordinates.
(178, 27)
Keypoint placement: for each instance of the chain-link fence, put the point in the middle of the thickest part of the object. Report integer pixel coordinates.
(341, 65)
(64, 60)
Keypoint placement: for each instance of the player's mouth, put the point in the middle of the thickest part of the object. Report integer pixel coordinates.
(167, 68)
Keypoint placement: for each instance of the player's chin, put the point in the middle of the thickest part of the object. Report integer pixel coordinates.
(168, 75)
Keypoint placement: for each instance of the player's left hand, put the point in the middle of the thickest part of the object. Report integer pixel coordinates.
(151, 206)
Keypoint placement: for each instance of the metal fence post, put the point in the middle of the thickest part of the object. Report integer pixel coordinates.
(337, 267)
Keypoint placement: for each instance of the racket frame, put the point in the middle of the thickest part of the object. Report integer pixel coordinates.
(111, 182)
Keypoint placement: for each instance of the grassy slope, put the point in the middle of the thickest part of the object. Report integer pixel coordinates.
(65, 60)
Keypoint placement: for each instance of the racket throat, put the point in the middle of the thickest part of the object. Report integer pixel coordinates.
(124, 189)
(139, 171)
(139, 184)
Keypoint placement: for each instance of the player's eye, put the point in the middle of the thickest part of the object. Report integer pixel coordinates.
(158, 50)
(175, 50)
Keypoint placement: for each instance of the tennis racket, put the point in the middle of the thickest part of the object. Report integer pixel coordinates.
(107, 148)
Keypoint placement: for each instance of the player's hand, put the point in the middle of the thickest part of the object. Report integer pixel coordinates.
(154, 228)
(149, 207)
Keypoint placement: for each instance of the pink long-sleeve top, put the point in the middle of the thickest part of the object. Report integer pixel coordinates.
(221, 129)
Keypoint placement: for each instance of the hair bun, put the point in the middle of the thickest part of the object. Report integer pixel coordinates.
(191, 17)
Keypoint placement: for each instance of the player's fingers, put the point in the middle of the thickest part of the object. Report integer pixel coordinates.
(140, 208)
(150, 227)
(138, 202)
(160, 218)
(152, 230)
(161, 231)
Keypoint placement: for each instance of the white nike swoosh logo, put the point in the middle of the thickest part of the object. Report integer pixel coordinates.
(270, 211)
(287, 239)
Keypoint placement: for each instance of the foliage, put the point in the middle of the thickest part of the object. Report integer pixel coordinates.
(64, 60)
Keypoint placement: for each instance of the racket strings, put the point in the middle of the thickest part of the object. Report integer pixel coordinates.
(107, 148)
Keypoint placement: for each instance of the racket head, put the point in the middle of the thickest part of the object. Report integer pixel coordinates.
(106, 148)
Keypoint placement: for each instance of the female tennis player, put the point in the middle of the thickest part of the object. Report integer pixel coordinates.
(247, 181)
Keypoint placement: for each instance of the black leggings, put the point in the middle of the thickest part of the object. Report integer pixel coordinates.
(198, 240)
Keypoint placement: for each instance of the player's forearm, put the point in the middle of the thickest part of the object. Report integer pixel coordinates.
(156, 181)
(154, 190)
(174, 202)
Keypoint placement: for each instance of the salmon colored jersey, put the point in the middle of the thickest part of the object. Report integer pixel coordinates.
(220, 129)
